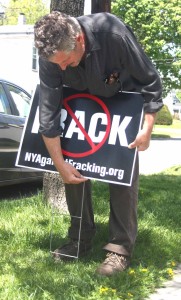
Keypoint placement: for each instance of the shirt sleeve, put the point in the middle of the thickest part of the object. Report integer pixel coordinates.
(50, 98)
(142, 71)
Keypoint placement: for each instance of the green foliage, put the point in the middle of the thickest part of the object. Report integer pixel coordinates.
(178, 94)
(168, 131)
(164, 116)
(32, 9)
(27, 270)
(157, 25)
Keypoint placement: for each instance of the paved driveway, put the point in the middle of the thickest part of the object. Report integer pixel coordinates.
(161, 154)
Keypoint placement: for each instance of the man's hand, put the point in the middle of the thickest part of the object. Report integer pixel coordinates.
(142, 141)
(70, 175)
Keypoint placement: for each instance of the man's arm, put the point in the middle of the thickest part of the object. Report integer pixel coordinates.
(146, 76)
(50, 108)
(68, 173)
(142, 140)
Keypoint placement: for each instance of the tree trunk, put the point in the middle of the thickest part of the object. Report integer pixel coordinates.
(53, 186)
(54, 191)
(71, 7)
(100, 5)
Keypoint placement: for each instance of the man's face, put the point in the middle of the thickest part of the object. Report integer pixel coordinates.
(73, 58)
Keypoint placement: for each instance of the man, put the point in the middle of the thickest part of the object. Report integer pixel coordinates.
(98, 53)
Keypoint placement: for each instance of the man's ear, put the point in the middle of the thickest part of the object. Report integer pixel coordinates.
(80, 38)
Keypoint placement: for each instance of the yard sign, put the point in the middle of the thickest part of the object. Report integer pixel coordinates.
(95, 135)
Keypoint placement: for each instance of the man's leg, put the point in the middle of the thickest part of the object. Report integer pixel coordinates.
(122, 226)
(74, 197)
(79, 203)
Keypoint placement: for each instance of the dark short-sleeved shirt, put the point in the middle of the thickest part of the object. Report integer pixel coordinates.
(111, 47)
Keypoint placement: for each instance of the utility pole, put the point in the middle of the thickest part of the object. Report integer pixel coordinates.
(100, 6)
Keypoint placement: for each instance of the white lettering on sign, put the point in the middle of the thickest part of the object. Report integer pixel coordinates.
(93, 126)
(63, 118)
(118, 127)
(93, 168)
(36, 122)
(38, 158)
(80, 115)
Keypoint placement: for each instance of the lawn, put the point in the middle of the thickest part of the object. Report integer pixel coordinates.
(27, 270)
(165, 131)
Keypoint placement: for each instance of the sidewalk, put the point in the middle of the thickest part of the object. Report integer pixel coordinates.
(171, 290)
(163, 154)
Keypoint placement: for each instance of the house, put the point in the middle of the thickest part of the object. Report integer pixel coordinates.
(18, 56)
(177, 111)
(173, 104)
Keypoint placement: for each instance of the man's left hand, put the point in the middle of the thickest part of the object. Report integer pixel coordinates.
(142, 141)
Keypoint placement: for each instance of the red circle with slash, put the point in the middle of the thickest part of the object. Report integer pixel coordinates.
(94, 147)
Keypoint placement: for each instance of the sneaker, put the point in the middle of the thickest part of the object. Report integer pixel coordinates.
(113, 263)
(72, 250)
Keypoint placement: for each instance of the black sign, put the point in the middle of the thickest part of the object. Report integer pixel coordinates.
(96, 132)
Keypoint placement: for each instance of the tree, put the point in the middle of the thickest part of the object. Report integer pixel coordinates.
(72, 7)
(178, 94)
(32, 9)
(54, 190)
(164, 117)
(53, 186)
(157, 24)
(100, 5)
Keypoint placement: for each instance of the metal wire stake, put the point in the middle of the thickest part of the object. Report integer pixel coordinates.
(80, 226)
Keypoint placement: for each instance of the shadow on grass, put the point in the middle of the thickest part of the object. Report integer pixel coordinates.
(160, 197)
(16, 191)
(158, 214)
(157, 244)
(158, 218)
(165, 137)
(160, 136)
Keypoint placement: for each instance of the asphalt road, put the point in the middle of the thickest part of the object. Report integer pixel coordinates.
(161, 154)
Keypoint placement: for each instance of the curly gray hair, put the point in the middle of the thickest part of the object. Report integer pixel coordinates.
(55, 32)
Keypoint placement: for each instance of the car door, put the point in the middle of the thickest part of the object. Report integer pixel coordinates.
(10, 133)
(20, 100)
(14, 108)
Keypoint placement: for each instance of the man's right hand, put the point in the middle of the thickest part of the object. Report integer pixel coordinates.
(70, 175)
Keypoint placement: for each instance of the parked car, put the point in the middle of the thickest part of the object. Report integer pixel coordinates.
(14, 108)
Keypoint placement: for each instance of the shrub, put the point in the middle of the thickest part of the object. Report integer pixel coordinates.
(164, 117)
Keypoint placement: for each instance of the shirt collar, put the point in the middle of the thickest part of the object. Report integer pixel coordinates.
(87, 26)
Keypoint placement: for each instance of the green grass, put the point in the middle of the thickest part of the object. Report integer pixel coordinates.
(27, 270)
(165, 131)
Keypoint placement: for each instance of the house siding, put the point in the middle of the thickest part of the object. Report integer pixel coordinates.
(16, 50)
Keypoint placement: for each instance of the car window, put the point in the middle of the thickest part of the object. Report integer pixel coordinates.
(21, 100)
(4, 104)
